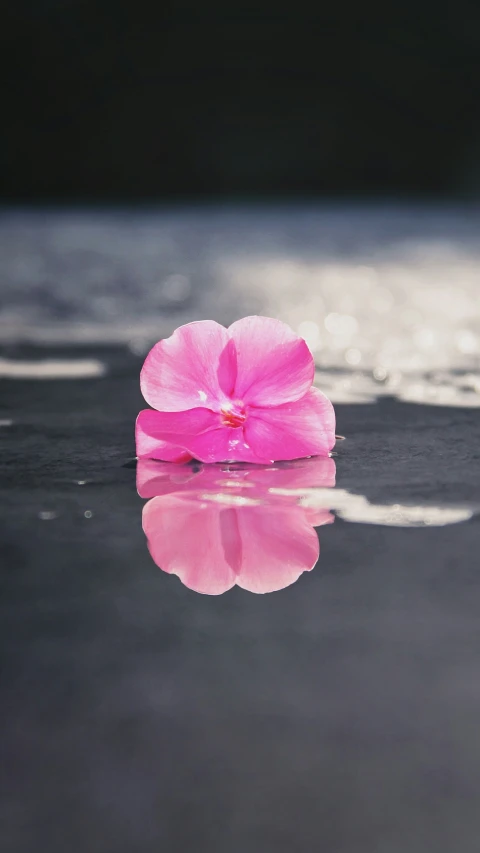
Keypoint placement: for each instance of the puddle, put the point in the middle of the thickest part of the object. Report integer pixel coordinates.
(217, 526)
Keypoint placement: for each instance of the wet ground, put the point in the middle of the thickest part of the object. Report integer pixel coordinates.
(338, 713)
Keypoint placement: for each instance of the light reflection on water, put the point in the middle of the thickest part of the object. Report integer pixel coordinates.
(217, 526)
(432, 388)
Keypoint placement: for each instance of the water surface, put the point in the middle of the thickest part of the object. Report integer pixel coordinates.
(326, 695)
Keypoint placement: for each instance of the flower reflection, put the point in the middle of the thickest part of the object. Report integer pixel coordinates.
(219, 525)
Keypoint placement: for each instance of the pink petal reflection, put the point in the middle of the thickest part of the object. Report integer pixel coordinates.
(223, 525)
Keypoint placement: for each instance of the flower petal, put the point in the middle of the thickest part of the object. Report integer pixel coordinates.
(178, 423)
(179, 436)
(303, 428)
(278, 544)
(220, 445)
(274, 365)
(151, 445)
(186, 539)
(194, 366)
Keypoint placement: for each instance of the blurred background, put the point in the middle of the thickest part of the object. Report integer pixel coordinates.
(123, 102)
(178, 161)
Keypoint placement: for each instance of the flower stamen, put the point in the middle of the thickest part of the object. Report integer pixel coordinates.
(233, 414)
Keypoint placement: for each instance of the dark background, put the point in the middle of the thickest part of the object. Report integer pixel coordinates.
(133, 101)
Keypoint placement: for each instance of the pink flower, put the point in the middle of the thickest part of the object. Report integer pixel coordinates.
(243, 393)
(227, 525)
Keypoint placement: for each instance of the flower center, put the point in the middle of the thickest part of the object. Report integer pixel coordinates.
(233, 414)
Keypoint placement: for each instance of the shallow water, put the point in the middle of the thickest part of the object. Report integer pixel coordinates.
(322, 691)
